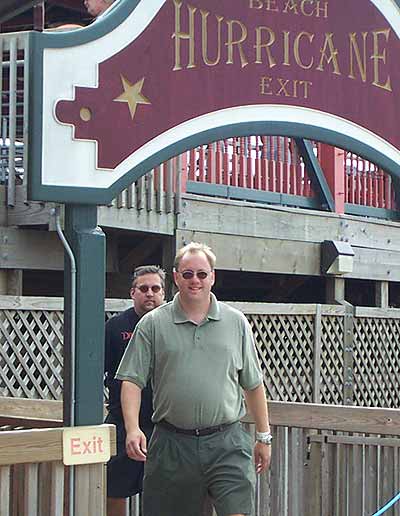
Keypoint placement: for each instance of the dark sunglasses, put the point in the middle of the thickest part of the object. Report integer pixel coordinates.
(190, 274)
(154, 288)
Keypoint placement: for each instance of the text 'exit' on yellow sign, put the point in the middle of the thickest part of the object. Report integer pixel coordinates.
(86, 445)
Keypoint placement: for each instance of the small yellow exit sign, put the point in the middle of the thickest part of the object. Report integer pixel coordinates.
(86, 445)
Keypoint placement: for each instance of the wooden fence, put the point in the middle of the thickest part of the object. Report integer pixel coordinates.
(34, 480)
(327, 461)
(309, 353)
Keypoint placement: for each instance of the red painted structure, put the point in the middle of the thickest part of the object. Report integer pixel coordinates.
(273, 164)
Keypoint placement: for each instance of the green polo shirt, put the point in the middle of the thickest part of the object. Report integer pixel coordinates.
(198, 371)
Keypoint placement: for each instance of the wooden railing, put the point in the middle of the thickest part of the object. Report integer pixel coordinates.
(14, 90)
(267, 163)
(34, 480)
(330, 460)
(326, 460)
(367, 185)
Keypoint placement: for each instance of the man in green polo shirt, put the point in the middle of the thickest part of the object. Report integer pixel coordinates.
(200, 356)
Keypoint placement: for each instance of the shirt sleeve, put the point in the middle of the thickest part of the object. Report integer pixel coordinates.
(251, 375)
(136, 364)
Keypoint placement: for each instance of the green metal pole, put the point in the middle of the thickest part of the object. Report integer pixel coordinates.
(83, 379)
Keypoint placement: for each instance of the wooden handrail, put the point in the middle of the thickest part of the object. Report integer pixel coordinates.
(28, 412)
(339, 418)
(298, 415)
(38, 445)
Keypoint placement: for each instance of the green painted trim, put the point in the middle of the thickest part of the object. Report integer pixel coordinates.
(247, 194)
(369, 211)
(75, 195)
(317, 175)
(209, 189)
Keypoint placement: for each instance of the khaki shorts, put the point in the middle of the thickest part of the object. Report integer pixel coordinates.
(181, 470)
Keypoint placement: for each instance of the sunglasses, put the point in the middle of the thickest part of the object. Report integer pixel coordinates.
(145, 288)
(202, 275)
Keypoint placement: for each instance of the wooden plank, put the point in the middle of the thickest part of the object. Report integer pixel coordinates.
(134, 220)
(31, 492)
(30, 213)
(57, 489)
(257, 254)
(33, 410)
(39, 445)
(287, 308)
(334, 417)
(30, 249)
(5, 477)
(356, 440)
(81, 490)
(254, 254)
(44, 488)
(246, 218)
(381, 313)
(382, 294)
(317, 355)
(97, 491)
(31, 303)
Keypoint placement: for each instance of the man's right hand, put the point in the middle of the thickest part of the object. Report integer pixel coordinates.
(136, 445)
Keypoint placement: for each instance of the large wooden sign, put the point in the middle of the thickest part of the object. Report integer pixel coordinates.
(156, 77)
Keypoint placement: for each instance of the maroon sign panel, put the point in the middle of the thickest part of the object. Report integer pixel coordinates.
(199, 56)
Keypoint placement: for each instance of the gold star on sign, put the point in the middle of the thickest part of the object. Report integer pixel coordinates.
(132, 95)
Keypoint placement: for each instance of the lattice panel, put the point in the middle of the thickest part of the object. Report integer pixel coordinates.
(285, 347)
(377, 362)
(332, 360)
(31, 354)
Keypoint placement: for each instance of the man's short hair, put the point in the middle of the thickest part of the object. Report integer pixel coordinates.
(195, 248)
(148, 269)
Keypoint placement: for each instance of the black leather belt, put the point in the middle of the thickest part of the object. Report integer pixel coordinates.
(199, 432)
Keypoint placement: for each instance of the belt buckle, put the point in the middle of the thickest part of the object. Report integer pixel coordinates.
(197, 432)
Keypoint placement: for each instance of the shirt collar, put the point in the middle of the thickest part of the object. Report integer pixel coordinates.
(180, 316)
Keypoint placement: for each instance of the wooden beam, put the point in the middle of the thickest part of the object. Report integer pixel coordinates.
(250, 219)
(36, 249)
(38, 445)
(136, 220)
(335, 290)
(333, 166)
(241, 253)
(316, 173)
(334, 417)
(382, 294)
(46, 410)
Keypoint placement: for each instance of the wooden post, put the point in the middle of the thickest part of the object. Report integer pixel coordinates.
(348, 355)
(332, 163)
(3, 282)
(382, 294)
(38, 17)
(317, 355)
(335, 292)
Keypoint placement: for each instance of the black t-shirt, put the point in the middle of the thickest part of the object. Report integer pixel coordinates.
(118, 332)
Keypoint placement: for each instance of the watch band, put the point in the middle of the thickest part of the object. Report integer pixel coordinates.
(264, 437)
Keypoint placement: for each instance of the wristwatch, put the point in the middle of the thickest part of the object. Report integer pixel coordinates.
(264, 437)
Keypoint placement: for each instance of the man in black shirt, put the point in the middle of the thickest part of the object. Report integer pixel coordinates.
(124, 475)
